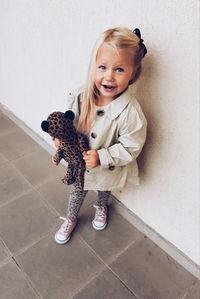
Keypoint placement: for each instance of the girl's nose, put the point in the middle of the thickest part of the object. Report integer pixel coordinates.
(109, 75)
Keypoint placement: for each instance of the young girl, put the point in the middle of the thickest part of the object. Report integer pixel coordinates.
(107, 112)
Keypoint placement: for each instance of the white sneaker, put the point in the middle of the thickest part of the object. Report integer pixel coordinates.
(64, 233)
(100, 218)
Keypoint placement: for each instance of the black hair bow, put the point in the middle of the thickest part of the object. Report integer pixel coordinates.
(138, 33)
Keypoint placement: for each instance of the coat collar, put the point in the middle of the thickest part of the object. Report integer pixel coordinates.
(119, 104)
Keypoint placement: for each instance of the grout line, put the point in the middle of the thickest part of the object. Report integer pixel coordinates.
(5, 261)
(20, 156)
(82, 287)
(32, 188)
(115, 274)
(42, 198)
(16, 262)
(8, 252)
(29, 245)
(124, 249)
(45, 180)
(11, 258)
(155, 237)
(23, 192)
(48, 205)
(184, 296)
(108, 267)
(9, 201)
(35, 241)
(26, 155)
(35, 136)
(5, 246)
(27, 279)
(20, 173)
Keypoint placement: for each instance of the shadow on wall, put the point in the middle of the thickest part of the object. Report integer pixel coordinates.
(146, 94)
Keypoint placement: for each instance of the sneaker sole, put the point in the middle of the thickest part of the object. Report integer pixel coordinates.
(62, 242)
(99, 228)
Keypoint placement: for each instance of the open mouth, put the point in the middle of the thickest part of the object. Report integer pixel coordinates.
(108, 87)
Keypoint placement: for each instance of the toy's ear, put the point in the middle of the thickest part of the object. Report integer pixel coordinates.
(45, 125)
(69, 115)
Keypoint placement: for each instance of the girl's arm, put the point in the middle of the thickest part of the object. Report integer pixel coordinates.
(132, 136)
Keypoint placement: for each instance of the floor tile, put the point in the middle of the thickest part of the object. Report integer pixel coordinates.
(6, 125)
(12, 184)
(77, 269)
(38, 168)
(16, 144)
(57, 194)
(24, 220)
(193, 292)
(151, 273)
(59, 270)
(13, 285)
(3, 159)
(111, 241)
(106, 285)
(3, 252)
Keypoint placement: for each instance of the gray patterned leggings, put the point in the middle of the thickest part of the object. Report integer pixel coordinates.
(77, 196)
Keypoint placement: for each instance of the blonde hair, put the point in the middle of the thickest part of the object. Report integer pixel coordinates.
(119, 38)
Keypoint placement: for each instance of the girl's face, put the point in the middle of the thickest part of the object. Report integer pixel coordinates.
(114, 70)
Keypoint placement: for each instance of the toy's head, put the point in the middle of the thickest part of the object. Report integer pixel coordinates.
(59, 124)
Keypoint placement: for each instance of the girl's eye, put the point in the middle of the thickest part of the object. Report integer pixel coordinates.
(119, 70)
(101, 67)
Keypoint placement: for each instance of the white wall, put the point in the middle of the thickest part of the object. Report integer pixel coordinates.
(44, 52)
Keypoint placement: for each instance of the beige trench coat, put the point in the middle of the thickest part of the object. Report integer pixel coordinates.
(118, 134)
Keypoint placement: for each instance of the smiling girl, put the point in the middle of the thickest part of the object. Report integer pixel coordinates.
(108, 113)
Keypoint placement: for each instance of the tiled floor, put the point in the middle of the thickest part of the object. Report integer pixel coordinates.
(119, 262)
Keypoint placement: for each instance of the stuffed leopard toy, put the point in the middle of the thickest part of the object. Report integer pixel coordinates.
(73, 144)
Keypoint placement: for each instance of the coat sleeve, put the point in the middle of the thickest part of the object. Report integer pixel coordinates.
(71, 97)
(131, 138)
(73, 102)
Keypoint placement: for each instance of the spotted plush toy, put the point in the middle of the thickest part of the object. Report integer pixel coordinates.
(73, 144)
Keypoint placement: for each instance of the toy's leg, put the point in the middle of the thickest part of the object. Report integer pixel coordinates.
(69, 178)
(79, 175)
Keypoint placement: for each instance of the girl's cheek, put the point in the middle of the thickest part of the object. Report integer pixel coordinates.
(98, 76)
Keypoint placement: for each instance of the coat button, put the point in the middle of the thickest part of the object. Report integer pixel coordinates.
(93, 135)
(111, 167)
(100, 112)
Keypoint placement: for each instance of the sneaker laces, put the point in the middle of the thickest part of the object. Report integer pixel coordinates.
(65, 226)
(100, 212)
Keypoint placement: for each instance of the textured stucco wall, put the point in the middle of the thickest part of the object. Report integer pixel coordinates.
(44, 52)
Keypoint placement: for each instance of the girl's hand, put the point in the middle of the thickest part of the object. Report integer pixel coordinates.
(91, 158)
(56, 142)
(54, 162)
